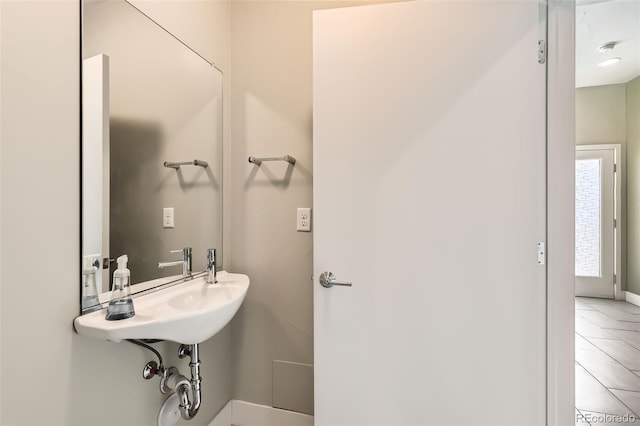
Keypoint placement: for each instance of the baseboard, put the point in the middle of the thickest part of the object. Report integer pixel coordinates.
(223, 418)
(632, 298)
(242, 413)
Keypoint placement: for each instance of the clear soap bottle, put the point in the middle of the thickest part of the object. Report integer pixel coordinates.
(90, 301)
(121, 305)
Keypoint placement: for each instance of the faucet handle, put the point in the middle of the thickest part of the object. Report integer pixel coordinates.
(184, 251)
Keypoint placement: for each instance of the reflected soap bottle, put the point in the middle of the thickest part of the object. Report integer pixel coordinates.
(90, 301)
(121, 305)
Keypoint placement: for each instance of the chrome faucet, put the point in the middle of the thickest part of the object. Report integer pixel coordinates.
(185, 262)
(211, 266)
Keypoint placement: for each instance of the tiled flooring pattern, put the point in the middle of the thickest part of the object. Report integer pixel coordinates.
(607, 362)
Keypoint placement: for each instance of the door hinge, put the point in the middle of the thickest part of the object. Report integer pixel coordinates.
(541, 253)
(615, 279)
(615, 223)
(615, 168)
(542, 51)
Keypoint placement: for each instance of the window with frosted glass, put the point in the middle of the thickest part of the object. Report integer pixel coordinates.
(588, 217)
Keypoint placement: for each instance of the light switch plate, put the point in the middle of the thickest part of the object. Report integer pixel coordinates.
(167, 217)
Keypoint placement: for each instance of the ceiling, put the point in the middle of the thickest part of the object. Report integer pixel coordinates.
(599, 22)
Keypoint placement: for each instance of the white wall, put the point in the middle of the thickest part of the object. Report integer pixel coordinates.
(633, 185)
(600, 115)
(49, 374)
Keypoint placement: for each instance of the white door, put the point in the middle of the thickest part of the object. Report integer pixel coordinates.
(595, 222)
(95, 165)
(429, 197)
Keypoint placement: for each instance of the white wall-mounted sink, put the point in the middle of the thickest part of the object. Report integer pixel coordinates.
(187, 312)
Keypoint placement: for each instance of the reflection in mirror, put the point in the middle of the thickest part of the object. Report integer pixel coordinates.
(147, 99)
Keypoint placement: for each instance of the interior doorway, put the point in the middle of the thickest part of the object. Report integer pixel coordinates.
(607, 328)
(597, 264)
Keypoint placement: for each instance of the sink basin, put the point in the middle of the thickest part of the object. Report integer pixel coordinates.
(188, 312)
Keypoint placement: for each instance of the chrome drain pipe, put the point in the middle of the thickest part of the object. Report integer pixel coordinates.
(188, 391)
(188, 410)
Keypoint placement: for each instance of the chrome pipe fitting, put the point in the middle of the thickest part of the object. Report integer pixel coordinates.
(189, 391)
(183, 351)
(188, 410)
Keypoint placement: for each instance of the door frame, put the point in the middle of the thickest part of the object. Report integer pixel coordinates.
(560, 212)
(618, 212)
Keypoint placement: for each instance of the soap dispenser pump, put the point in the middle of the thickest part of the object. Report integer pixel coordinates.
(121, 304)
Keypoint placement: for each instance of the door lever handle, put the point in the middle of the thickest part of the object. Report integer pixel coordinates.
(328, 280)
(107, 262)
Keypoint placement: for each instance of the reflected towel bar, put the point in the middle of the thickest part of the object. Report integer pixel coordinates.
(177, 165)
(289, 159)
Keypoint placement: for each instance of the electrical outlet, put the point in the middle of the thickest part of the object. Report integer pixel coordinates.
(167, 217)
(303, 223)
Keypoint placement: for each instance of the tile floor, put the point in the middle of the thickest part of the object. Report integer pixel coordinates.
(607, 362)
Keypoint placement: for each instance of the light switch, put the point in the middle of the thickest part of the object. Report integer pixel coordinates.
(167, 217)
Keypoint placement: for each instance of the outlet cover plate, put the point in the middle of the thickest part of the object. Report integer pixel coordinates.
(303, 223)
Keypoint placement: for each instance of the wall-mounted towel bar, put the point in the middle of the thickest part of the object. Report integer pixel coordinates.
(176, 165)
(289, 159)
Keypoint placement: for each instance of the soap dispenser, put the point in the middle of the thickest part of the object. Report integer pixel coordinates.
(90, 301)
(121, 304)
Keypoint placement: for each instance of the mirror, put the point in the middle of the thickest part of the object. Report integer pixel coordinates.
(147, 99)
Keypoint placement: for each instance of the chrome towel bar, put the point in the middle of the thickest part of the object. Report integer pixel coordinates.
(176, 165)
(256, 160)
